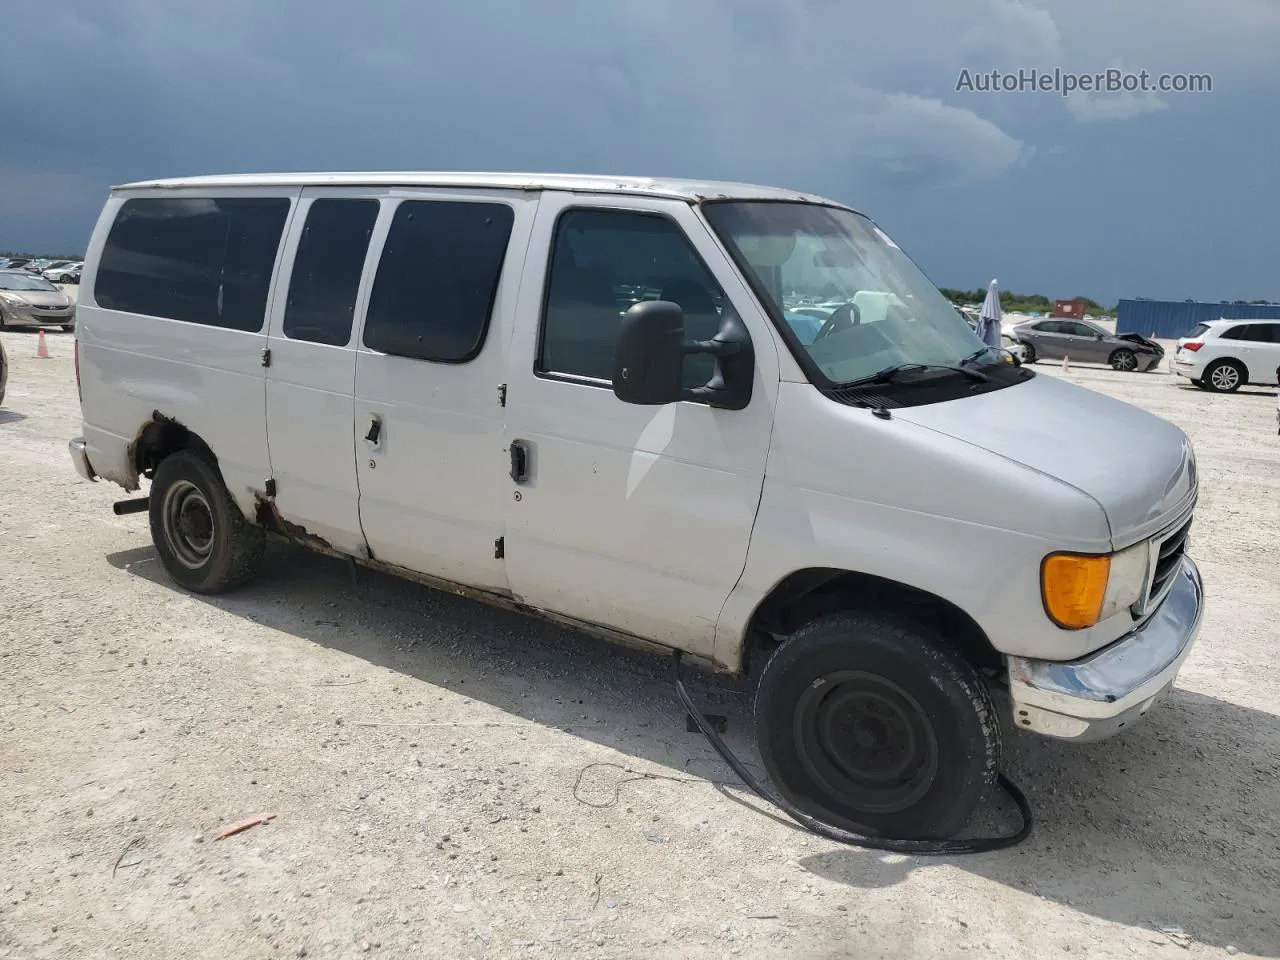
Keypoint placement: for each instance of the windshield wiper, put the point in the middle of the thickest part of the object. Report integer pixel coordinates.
(889, 374)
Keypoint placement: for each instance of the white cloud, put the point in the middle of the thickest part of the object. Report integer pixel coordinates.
(1093, 107)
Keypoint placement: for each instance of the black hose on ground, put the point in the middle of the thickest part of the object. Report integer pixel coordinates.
(814, 825)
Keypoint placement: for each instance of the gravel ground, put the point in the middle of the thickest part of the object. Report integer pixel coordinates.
(422, 755)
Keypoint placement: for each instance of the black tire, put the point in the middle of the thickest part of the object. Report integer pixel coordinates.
(204, 541)
(1124, 360)
(68, 327)
(926, 726)
(1225, 376)
(1029, 353)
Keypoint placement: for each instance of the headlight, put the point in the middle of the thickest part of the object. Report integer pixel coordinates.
(13, 299)
(1080, 590)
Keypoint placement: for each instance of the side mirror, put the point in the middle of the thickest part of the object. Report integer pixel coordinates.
(649, 355)
(1098, 336)
(648, 363)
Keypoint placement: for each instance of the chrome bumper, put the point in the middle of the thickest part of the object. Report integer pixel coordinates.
(80, 457)
(1093, 698)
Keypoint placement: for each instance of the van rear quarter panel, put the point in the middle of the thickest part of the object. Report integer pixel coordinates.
(209, 379)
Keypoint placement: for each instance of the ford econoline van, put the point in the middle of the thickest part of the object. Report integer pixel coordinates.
(597, 399)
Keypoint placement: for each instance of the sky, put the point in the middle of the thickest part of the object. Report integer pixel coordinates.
(1170, 195)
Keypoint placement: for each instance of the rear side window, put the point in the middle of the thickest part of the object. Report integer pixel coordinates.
(1263, 333)
(603, 261)
(1235, 333)
(437, 279)
(1049, 326)
(327, 269)
(205, 261)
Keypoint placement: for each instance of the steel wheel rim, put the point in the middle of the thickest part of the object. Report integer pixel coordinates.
(1225, 377)
(865, 739)
(1126, 361)
(188, 524)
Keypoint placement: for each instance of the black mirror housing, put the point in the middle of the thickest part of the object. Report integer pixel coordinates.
(649, 354)
(648, 363)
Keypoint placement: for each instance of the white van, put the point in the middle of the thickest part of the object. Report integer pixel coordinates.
(583, 397)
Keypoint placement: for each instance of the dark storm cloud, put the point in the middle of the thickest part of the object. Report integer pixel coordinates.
(851, 100)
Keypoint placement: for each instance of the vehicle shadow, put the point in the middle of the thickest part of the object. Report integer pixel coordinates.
(1246, 391)
(1141, 826)
(1131, 826)
(528, 667)
(11, 416)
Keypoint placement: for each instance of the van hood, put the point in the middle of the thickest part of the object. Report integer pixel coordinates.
(1138, 467)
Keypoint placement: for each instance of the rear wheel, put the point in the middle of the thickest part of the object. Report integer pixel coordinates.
(203, 540)
(872, 723)
(1124, 360)
(1224, 376)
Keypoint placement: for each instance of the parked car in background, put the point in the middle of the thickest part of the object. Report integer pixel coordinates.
(4, 372)
(1053, 339)
(33, 302)
(1224, 355)
(69, 273)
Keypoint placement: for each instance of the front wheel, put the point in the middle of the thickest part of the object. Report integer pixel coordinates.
(1028, 353)
(1124, 360)
(203, 540)
(874, 724)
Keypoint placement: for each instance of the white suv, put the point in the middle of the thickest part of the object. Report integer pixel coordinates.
(1224, 355)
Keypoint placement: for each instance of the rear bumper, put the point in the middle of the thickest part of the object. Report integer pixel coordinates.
(80, 457)
(1093, 698)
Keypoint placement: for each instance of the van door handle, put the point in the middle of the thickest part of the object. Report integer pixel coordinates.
(375, 431)
(519, 451)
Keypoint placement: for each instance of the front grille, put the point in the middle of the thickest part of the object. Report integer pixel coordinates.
(1169, 556)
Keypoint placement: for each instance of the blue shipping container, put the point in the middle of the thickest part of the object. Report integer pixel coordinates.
(1171, 319)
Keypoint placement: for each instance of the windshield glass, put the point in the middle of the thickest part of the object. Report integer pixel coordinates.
(852, 300)
(17, 281)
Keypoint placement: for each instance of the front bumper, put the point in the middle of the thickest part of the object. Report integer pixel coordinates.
(32, 316)
(1093, 698)
(1149, 361)
(80, 457)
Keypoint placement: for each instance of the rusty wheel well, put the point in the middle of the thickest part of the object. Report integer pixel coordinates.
(808, 594)
(162, 436)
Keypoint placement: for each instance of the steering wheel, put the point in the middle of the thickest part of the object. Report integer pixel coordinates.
(845, 315)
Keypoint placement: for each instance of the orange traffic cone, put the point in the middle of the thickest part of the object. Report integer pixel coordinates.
(42, 348)
(1066, 367)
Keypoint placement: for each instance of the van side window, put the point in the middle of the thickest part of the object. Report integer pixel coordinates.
(437, 279)
(602, 262)
(206, 261)
(327, 269)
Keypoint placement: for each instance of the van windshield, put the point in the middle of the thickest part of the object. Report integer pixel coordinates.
(846, 295)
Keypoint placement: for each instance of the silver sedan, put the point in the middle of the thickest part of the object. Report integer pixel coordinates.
(1053, 339)
(33, 302)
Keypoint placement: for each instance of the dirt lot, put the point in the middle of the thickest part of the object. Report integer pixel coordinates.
(421, 754)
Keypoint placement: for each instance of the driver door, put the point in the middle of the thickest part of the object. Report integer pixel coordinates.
(636, 518)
